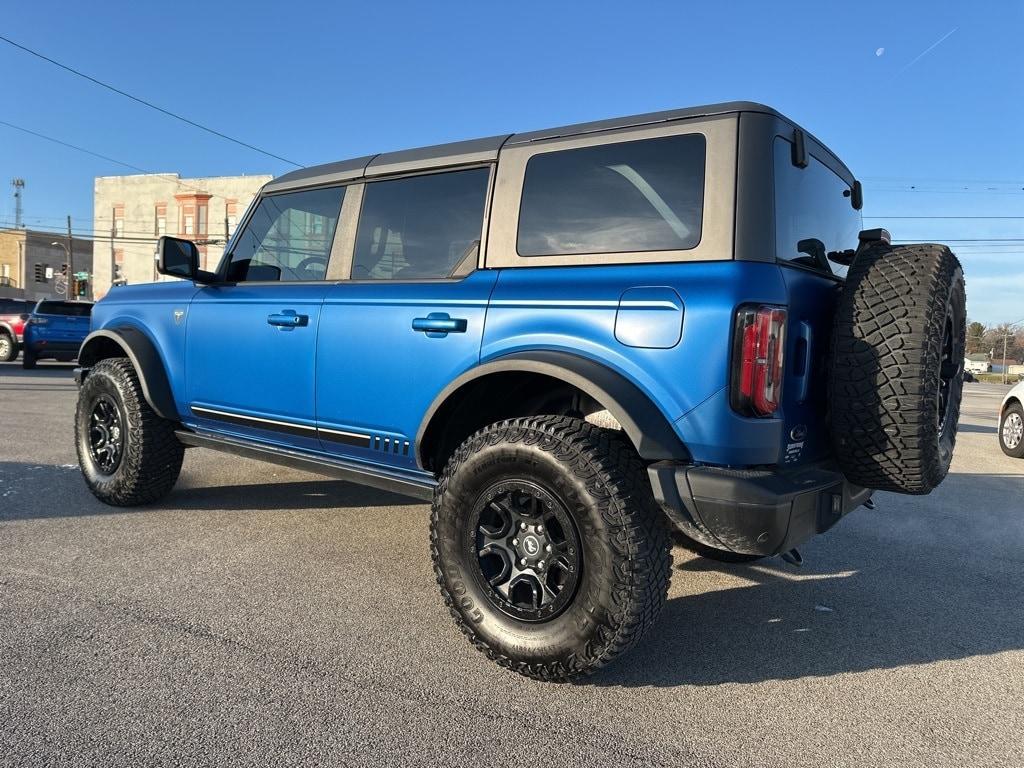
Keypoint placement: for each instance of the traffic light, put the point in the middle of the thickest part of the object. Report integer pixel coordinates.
(81, 288)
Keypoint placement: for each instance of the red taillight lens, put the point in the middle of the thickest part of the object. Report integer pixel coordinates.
(758, 352)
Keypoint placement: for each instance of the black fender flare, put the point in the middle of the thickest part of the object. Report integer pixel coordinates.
(643, 422)
(137, 347)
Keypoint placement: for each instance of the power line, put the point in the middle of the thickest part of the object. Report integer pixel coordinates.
(149, 104)
(172, 176)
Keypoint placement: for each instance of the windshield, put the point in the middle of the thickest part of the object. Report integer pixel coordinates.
(811, 203)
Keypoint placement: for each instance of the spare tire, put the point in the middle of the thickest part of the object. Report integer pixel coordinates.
(895, 377)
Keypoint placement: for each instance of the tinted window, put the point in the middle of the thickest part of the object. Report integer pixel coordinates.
(14, 307)
(421, 226)
(288, 237)
(630, 196)
(69, 308)
(811, 203)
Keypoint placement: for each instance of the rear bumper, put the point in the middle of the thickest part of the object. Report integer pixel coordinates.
(755, 512)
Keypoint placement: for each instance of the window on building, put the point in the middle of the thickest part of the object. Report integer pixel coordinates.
(421, 226)
(288, 237)
(119, 220)
(188, 219)
(201, 223)
(160, 216)
(645, 195)
(230, 216)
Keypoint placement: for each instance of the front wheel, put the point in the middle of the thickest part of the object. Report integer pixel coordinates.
(1011, 431)
(548, 546)
(128, 454)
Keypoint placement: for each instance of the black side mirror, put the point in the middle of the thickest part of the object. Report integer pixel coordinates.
(177, 258)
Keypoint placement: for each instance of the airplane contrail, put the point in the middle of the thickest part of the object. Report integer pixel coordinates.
(926, 51)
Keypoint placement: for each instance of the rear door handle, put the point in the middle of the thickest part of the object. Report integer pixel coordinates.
(437, 325)
(287, 319)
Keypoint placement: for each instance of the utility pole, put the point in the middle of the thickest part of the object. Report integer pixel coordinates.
(18, 184)
(71, 264)
(1006, 335)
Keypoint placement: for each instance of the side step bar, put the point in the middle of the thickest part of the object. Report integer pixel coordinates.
(375, 477)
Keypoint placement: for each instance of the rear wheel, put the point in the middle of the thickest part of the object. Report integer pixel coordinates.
(8, 349)
(28, 359)
(548, 546)
(896, 374)
(1011, 431)
(128, 454)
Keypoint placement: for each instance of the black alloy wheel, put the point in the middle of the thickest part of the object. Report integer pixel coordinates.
(106, 434)
(528, 550)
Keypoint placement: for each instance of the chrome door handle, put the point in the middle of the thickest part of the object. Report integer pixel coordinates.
(287, 319)
(439, 324)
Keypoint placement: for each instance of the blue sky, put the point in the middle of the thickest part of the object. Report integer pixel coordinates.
(923, 100)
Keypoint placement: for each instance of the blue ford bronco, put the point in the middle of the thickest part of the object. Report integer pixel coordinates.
(577, 343)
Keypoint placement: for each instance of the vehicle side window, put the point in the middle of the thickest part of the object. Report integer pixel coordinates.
(288, 237)
(645, 195)
(813, 213)
(419, 227)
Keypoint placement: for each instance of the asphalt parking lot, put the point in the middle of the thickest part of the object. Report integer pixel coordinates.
(263, 616)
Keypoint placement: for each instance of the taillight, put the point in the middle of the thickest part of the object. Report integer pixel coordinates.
(757, 358)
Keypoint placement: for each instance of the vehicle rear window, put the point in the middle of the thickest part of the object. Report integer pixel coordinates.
(420, 227)
(811, 203)
(14, 307)
(69, 308)
(645, 195)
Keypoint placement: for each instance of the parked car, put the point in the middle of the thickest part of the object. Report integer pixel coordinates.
(55, 330)
(454, 322)
(1011, 422)
(13, 315)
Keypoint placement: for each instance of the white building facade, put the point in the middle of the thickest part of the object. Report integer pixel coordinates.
(131, 212)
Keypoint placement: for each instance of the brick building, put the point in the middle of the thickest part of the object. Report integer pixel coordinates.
(31, 263)
(135, 210)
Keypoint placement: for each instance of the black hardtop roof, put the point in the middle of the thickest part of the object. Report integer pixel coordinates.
(485, 150)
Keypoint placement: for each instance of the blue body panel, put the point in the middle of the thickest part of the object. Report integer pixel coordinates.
(237, 362)
(377, 375)
(355, 378)
(578, 309)
(151, 308)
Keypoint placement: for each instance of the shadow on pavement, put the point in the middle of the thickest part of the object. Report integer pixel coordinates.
(44, 370)
(920, 580)
(33, 491)
(979, 428)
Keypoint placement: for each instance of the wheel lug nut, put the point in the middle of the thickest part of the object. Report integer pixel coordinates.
(547, 548)
(523, 561)
(522, 526)
(515, 542)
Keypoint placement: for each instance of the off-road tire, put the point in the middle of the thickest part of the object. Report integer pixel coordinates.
(8, 348)
(887, 367)
(28, 360)
(1016, 452)
(626, 553)
(151, 455)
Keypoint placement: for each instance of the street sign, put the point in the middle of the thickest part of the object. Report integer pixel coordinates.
(81, 275)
